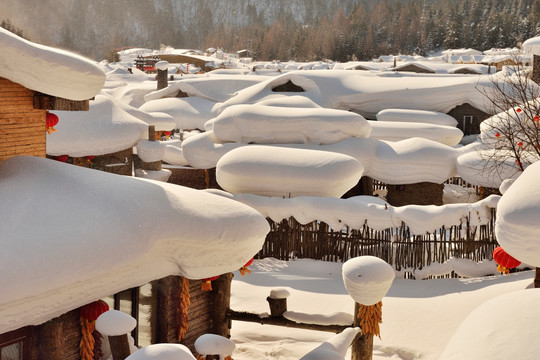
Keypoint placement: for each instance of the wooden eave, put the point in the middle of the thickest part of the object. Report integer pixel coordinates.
(47, 102)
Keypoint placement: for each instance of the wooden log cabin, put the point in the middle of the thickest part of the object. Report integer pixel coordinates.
(60, 80)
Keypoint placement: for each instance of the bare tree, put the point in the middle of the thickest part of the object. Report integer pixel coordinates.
(513, 133)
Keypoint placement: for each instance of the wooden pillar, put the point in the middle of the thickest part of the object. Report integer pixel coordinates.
(362, 345)
(154, 165)
(536, 69)
(277, 306)
(119, 347)
(52, 340)
(537, 278)
(221, 296)
(162, 79)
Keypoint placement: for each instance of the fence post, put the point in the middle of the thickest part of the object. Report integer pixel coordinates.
(362, 345)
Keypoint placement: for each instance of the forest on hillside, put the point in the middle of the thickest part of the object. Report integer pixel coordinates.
(302, 30)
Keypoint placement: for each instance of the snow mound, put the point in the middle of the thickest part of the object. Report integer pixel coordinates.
(367, 279)
(211, 344)
(488, 168)
(285, 125)
(48, 70)
(188, 112)
(287, 172)
(106, 128)
(396, 131)
(203, 151)
(162, 352)
(416, 116)
(517, 225)
(117, 223)
(489, 329)
(334, 348)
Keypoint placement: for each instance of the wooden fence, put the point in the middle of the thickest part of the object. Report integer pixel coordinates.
(289, 239)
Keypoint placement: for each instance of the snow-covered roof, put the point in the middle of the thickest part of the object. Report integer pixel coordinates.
(209, 86)
(369, 92)
(72, 235)
(418, 116)
(106, 128)
(517, 224)
(397, 131)
(462, 51)
(532, 45)
(48, 70)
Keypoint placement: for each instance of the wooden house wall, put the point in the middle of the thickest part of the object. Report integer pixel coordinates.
(200, 313)
(22, 128)
(459, 112)
(193, 178)
(416, 69)
(423, 193)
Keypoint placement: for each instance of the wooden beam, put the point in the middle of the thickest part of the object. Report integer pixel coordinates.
(282, 321)
(48, 102)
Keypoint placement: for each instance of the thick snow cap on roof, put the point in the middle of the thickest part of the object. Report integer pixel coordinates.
(396, 131)
(416, 116)
(288, 172)
(532, 45)
(517, 225)
(367, 92)
(261, 124)
(487, 167)
(85, 234)
(48, 70)
(188, 112)
(106, 128)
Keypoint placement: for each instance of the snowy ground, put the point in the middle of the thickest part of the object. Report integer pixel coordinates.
(419, 316)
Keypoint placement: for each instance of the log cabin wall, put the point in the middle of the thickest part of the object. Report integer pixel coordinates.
(22, 128)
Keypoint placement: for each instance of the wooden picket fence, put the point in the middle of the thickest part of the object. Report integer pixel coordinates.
(289, 239)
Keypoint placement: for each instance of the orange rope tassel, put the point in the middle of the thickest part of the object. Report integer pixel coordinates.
(206, 285)
(370, 318)
(243, 271)
(503, 270)
(185, 301)
(86, 346)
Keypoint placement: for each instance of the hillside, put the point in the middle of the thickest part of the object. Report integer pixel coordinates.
(281, 29)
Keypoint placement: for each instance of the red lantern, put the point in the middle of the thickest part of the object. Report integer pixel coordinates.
(89, 158)
(497, 135)
(51, 121)
(167, 133)
(206, 284)
(520, 144)
(518, 110)
(504, 260)
(62, 158)
(536, 118)
(92, 311)
(244, 269)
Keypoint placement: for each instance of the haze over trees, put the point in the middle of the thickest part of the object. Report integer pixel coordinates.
(302, 30)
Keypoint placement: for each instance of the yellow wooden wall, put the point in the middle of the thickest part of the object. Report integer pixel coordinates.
(22, 128)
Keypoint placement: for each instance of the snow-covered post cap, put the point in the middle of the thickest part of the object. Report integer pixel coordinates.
(279, 293)
(162, 352)
(367, 279)
(278, 301)
(211, 344)
(117, 325)
(162, 65)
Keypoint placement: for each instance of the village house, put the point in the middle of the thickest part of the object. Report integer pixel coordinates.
(33, 80)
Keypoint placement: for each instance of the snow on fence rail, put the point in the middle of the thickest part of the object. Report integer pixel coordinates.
(419, 241)
(440, 253)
